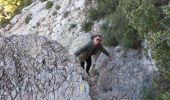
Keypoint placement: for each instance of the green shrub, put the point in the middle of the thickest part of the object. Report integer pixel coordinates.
(57, 7)
(72, 26)
(152, 20)
(117, 31)
(54, 13)
(165, 96)
(66, 14)
(24, 3)
(93, 14)
(129, 21)
(42, 0)
(28, 18)
(18, 9)
(161, 53)
(86, 26)
(27, 2)
(108, 38)
(48, 5)
(131, 39)
(118, 24)
(4, 22)
(147, 94)
(104, 8)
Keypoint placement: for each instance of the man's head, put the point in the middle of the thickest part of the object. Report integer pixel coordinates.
(96, 39)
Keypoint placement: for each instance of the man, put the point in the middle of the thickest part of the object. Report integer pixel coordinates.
(91, 48)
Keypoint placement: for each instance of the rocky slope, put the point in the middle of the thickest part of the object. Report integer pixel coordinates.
(126, 77)
(35, 68)
(62, 22)
(50, 74)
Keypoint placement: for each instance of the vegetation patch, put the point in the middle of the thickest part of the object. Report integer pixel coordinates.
(54, 13)
(57, 7)
(128, 22)
(42, 0)
(4, 22)
(66, 14)
(28, 18)
(72, 26)
(86, 26)
(151, 18)
(48, 5)
(102, 9)
(10, 8)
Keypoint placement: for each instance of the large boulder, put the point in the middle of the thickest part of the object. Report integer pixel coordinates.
(35, 68)
(129, 74)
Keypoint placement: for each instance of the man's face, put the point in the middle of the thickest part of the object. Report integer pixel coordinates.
(96, 40)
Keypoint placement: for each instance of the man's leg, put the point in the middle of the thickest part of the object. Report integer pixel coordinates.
(82, 64)
(88, 60)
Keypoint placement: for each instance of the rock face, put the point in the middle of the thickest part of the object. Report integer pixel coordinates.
(62, 22)
(35, 68)
(125, 77)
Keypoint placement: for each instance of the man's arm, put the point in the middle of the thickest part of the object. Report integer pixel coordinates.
(102, 49)
(82, 49)
(105, 52)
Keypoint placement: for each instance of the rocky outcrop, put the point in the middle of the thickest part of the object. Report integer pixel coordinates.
(126, 77)
(35, 68)
(62, 22)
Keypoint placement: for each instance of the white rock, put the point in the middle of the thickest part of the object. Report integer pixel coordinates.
(79, 3)
(15, 19)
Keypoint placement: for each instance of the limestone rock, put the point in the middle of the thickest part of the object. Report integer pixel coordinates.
(128, 72)
(53, 23)
(35, 68)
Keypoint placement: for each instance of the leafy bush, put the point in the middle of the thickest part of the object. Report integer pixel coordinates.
(117, 31)
(42, 0)
(104, 7)
(152, 20)
(161, 53)
(24, 3)
(28, 18)
(54, 13)
(129, 21)
(131, 39)
(108, 38)
(93, 14)
(86, 26)
(14, 7)
(48, 5)
(66, 14)
(72, 26)
(27, 2)
(57, 7)
(165, 96)
(4, 22)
